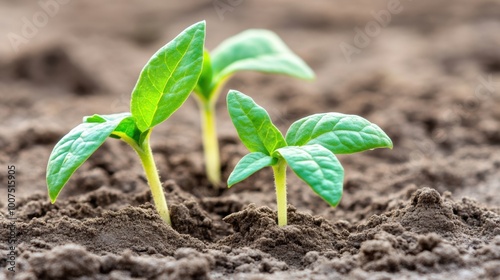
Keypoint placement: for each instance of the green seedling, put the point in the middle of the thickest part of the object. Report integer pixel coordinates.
(254, 50)
(309, 148)
(163, 85)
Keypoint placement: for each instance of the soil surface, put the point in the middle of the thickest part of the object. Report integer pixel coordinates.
(428, 74)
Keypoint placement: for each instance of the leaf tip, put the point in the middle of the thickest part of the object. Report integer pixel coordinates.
(52, 196)
(388, 142)
(309, 75)
(202, 25)
(390, 146)
(232, 94)
(334, 204)
(230, 181)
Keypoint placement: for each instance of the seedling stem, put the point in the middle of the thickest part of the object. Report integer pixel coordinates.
(279, 170)
(309, 148)
(146, 155)
(164, 84)
(210, 141)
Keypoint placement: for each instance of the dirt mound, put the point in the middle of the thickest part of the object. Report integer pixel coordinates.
(427, 212)
(256, 227)
(427, 233)
(87, 221)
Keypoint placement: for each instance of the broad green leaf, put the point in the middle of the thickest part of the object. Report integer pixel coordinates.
(75, 148)
(319, 168)
(257, 50)
(168, 78)
(339, 133)
(253, 124)
(248, 165)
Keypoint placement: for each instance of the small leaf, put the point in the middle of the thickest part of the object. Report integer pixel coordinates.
(168, 78)
(96, 118)
(248, 165)
(319, 168)
(126, 128)
(339, 133)
(75, 148)
(204, 86)
(257, 50)
(253, 124)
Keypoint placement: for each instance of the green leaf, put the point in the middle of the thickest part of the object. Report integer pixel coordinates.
(253, 124)
(204, 86)
(319, 168)
(339, 133)
(76, 147)
(248, 165)
(96, 118)
(126, 128)
(168, 78)
(257, 50)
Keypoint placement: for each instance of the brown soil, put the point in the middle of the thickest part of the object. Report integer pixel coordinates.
(428, 209)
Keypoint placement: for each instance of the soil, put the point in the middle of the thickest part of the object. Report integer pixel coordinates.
(428, 209)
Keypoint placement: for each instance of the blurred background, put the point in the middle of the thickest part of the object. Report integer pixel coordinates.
(427, 72)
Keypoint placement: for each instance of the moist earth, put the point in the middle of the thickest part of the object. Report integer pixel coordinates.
(428, 209)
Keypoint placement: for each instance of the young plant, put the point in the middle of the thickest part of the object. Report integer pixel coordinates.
(309, 148)
(255, 50)
(163, 85)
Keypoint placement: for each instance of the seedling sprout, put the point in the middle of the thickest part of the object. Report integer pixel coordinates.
(163, 85)
(309, 148)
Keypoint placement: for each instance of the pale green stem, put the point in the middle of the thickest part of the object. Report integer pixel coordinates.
(280, 184)
(206, 102)
(148, 163)
(210, 141)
